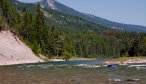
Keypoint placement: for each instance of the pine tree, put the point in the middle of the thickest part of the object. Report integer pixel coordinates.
(40, 32)
(1, 8)
(144, 46)
(56, 42)
(5, 7)
(26, 25)
(39, 25)
(135, 49)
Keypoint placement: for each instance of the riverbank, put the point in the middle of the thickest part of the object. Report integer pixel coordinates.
(127, 60)
(77, 58)
(55, 59)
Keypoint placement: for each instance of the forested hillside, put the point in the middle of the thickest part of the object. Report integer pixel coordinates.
(55, 34)
(59, 19)
(62, 8)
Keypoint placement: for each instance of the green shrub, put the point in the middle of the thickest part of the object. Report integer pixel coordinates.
(2, 23)
(66, 56)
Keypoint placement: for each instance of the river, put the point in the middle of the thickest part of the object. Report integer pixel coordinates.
(73, 72)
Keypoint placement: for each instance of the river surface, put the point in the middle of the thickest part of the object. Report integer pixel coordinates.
(73, 72)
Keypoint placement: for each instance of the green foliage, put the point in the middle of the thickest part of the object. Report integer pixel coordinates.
(135, 49)
(69, 36)
(5, 7)
(2, 23)
(143, 46)
(35, 30)
(56, 42)
(66, 56)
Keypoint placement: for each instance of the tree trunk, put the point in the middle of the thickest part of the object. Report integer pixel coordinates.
(57, 55)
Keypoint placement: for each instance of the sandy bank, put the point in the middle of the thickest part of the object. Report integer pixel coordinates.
(83, 59)
(14, 51)
(127, 60)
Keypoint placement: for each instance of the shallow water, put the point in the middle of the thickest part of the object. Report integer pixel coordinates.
(72, 72)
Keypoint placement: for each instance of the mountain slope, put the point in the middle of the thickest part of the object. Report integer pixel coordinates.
(62, 20)
(52, 4)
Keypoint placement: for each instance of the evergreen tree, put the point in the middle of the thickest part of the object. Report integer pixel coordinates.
(135, 49)
(39, 25)
(5, 7)
(26, 25)
(56, 42)
(144, 46)
(1, 8)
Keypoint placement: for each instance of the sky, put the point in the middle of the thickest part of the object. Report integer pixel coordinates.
(123, 11)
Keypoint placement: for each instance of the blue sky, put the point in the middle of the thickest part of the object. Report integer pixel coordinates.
(123, 11)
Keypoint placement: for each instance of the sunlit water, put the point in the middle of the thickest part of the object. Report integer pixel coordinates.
(73, 72)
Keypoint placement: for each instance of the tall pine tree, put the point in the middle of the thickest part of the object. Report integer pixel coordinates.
(56, 42)
(5, 7)
(39, 25)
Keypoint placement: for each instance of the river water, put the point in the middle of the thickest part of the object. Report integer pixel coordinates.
(73, 72)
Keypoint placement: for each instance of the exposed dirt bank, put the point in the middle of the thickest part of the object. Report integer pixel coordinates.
(14, 51)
